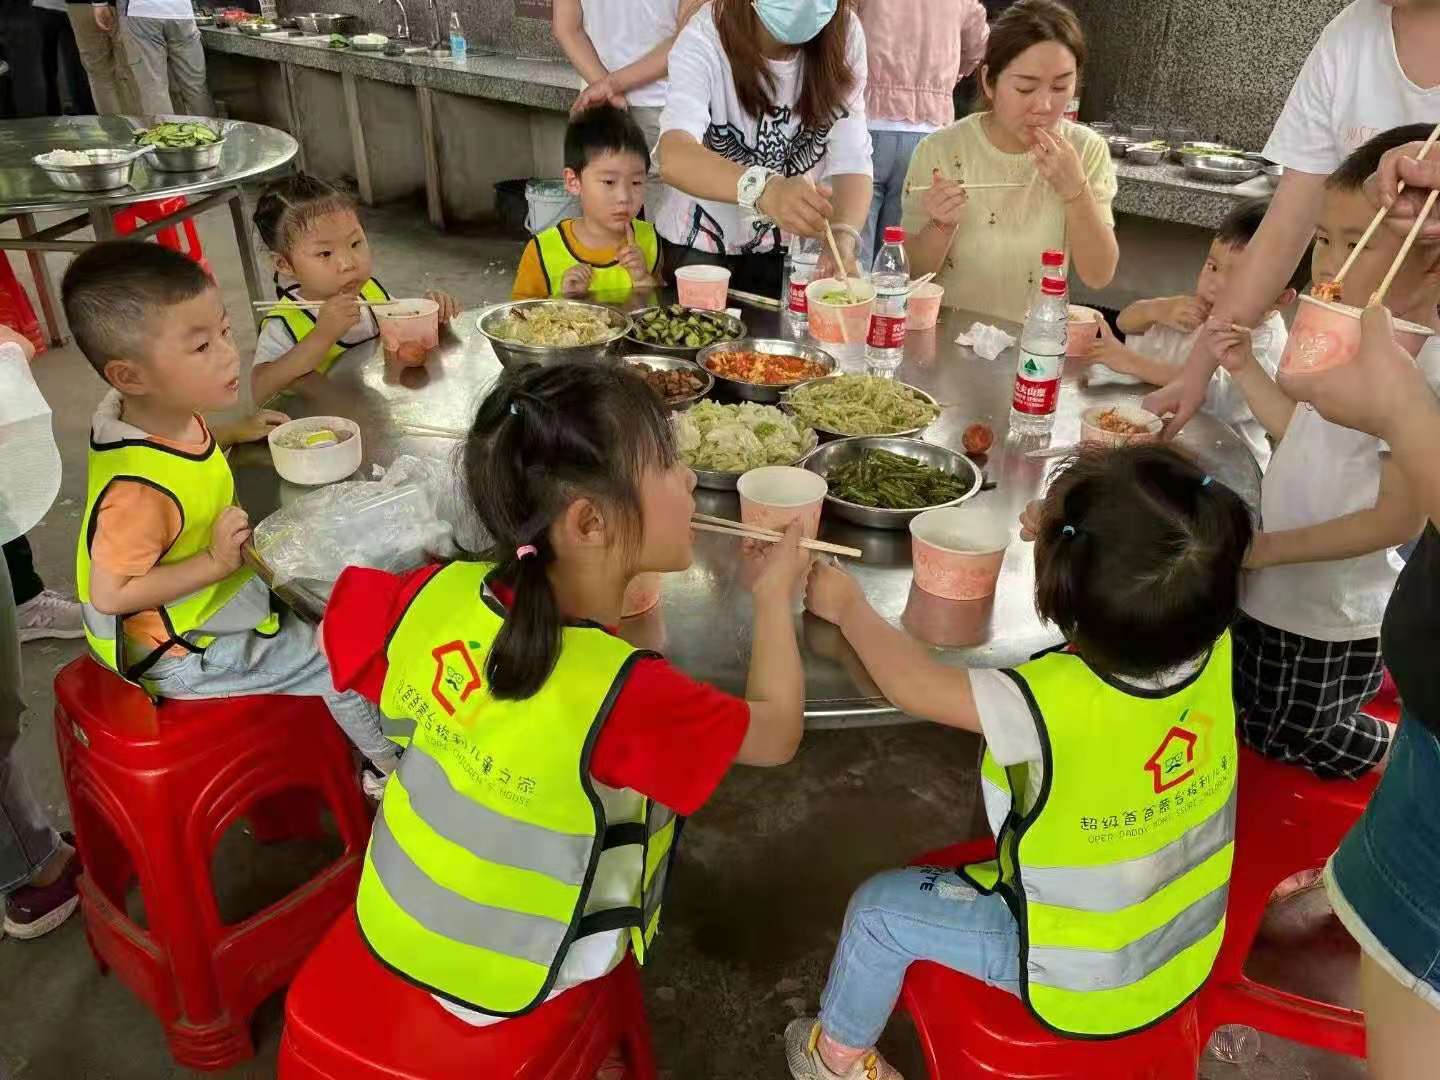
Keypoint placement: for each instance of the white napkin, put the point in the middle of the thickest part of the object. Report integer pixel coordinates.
(1100, 375)
(29, 459)
(987, 341)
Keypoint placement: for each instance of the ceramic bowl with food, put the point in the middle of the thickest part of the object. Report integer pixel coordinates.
(838, 316)
(1119, 425)
(316, 449)
(553, 331)
(762, 369)
(957, 551)
(671, 329)
(858, 468)
(1326, 334)
(678, 383)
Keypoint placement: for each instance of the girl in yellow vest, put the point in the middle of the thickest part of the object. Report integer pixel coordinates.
(607, 250)
(321, 255)
(1109, 774)
(524, 844)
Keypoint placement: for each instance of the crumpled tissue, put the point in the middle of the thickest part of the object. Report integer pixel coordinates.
(987, 341)
(29, 459)
(1100, 375)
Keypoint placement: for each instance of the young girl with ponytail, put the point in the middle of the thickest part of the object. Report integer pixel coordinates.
(524, 844)
(1108, 777)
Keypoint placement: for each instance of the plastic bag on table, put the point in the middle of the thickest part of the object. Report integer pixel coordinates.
(444, 490)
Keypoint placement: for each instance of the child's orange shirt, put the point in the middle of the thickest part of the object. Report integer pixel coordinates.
(530, 281)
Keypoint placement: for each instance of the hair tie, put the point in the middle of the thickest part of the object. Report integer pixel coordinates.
(1067, 530)
(525, 551)
(514, 409)
(1206, 482)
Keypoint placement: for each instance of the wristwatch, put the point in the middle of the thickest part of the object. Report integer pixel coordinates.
(752, 185)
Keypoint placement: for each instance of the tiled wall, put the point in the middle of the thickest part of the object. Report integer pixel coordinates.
(488, 23)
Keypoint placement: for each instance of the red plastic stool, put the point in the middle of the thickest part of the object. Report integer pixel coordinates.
(1385, 705)
(348, 1018)
(16, 310)
(131, 217)
(152, 792)
(969, 1030)
(1288, 820)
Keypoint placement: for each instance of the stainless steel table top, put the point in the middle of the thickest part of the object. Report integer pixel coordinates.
(251, 150)
(703, 620)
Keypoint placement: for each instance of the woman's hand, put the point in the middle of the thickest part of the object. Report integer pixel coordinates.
(831, 593)
(1056, 160)
(797, 205)
(945, 202)
(1420, 178)
(600, 92)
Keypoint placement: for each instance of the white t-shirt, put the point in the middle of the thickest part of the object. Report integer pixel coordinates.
(1350, 90)
(160, 9)
(623, 31)
(703, 104)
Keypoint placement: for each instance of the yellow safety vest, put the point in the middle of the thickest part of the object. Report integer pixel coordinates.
(201, 485)
(300, 321)
(492, 832)
(557, 256)
(1118, 875)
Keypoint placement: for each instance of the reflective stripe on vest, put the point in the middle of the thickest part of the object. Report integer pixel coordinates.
(557, 257)
(201, 486)
(299, 322)
(1119, 883)
(481, 865)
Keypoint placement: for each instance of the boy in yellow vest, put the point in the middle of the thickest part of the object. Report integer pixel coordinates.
(606, 250)
(165, 593)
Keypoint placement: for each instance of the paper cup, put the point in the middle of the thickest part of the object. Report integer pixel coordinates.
(409, 328)
(957, 552)
(703, 286)
(840, 323)
(1082, 330)
(1327, 335)
(1091, 432)
(642, 594)
(947, 624)
(922, 311)
(773, 497)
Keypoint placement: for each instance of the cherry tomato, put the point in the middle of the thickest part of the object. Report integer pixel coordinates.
(977, 439)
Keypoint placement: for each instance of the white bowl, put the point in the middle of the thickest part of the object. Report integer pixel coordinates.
(316, 464)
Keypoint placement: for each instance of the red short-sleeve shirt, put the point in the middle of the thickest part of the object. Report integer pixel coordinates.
(668, 736)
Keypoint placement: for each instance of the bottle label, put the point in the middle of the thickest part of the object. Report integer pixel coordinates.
(1037, 383)
(886, 332)
(799, 303)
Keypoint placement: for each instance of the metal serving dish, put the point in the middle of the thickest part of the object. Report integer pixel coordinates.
(1103, 127)
(189, 158)
(324, 22)
(835, 454)
(516, 352)
(1183, 152)
(764, 393)
(1220, 168)
(674, 363)
(256, 29)
(1120, 144)
(712, 480)
(1145, 155)
(831, 433)
(732, 327)
(369, 46)
(113, 172)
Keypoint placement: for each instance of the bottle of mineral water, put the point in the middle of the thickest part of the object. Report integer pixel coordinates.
(802, 258)
(1042, 355)
(890, 275)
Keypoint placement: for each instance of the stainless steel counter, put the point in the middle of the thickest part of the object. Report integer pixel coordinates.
(703, 620)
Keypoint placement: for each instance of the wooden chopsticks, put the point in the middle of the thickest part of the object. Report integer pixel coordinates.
(432, 430)
(970, 187)
(1379, 297)
(706, 523)
(315, 305)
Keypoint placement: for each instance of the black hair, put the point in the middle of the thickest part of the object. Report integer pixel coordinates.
(113, 291)
(1138, 558)
(1364, 160)
(290, 205)
(1243, 222)
(603, 129)
(543, 437)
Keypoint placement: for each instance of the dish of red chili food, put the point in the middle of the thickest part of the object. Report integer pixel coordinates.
(765, 369)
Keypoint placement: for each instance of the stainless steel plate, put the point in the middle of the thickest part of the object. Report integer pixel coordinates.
(837, 453)
(765, 393)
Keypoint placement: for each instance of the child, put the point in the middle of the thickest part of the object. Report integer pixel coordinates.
(321, 255)
(1109, 773)
(523, 846)
(606, 250)
(1160, 333)
(1333, 506)
(167, 597)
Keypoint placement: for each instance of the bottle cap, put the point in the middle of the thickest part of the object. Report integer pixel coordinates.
(894, 234)
(1052, 258)
(1053, 286)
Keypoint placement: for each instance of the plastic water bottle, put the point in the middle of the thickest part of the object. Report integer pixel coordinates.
(458, 44)
(1042, 355)
(890, 275)
(802, 259)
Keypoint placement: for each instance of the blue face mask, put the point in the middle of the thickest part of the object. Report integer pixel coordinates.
(794, 22)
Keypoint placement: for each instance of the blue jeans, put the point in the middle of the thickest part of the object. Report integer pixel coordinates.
(898, 917)
(890, 157)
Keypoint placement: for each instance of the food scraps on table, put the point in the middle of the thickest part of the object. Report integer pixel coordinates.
(861, 405)
(671, 384)
(735, 438)
(890, 481)
(1110, 420)
(767, 369)
(555, 324)
(677, 326)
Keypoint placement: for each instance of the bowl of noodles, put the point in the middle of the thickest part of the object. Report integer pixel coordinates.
(553, 331)
(842, 406)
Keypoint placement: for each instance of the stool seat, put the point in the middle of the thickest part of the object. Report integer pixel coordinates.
(132, 217)
(347, 1017)
(152, 791)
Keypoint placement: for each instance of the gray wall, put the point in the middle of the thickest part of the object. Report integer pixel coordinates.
(1221, 67)
(487, 23)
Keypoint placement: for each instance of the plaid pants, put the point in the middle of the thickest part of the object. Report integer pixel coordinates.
(1299, 699)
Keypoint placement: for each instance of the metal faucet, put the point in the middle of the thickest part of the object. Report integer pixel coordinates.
(436, 39)
(404, 19)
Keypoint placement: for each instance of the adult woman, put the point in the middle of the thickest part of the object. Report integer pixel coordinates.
(986, 244)
(765, 99)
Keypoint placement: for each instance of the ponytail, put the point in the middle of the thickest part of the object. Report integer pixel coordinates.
(528, 646)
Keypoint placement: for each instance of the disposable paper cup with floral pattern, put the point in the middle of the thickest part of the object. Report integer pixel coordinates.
(704, 287)
(773, 497)
(1082, 329)
(840, 323)
(957, 552)
(642, 594)
(1092, 432)
(409, 328)
(922, 311)
(1327, 335)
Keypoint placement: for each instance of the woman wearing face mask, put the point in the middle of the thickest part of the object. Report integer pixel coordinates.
(985, 244)
(764, 132)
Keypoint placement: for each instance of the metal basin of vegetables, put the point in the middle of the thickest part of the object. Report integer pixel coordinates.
(673, 363)
(183, 146)
(834, 454)
(728, 327)
(831, 433)
(519, 352)
(764, 393)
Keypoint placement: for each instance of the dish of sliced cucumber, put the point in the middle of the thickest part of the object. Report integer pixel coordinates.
(680, 327)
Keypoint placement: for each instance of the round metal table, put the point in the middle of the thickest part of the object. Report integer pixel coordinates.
(251, 151)
(703, 620)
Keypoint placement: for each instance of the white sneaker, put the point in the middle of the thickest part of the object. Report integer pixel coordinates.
(802, 1056)
(50, 615)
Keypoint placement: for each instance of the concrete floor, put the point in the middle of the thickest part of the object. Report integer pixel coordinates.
(765, 869)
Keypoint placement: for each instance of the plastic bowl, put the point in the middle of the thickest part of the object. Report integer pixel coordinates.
(773, 497)
(642, 594)
(704, 287)
(923, 309)
(957, 552)
(1091, 432)
(409, 328)
(314, 465)
(842, 323)
(1082, 329)
(1326, 335)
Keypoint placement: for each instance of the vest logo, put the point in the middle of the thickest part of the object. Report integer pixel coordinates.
(456, 675)
(1173, 761)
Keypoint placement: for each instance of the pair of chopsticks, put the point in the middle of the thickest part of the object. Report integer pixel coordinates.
(765, 303)
(970, 187)
(433, 431)
(726, 527)
(315, 305)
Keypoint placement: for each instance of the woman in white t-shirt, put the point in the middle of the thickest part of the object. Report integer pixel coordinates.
(1375, 67)
(767, 101)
